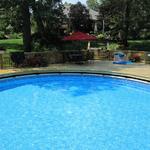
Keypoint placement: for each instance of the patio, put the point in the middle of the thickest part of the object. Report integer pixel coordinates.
(139, 70)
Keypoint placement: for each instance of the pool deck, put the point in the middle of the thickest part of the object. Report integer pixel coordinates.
(138, 70)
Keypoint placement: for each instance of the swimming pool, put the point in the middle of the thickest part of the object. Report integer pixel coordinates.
(74, 112)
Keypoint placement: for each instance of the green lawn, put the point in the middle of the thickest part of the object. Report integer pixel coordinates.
(12, 45)
(139, 45)
(17, 45)
(143, 45)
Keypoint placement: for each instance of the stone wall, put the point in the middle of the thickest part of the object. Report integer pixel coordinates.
(54, 57)
(51, 57)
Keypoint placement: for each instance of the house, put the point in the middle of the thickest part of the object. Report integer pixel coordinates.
(93, 16)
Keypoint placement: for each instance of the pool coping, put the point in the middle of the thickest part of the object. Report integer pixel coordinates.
(88, 72)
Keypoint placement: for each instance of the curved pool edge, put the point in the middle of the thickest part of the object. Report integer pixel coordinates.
(87, 72)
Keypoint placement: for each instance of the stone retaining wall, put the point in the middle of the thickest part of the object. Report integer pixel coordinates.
(51, 57)
(54, 57)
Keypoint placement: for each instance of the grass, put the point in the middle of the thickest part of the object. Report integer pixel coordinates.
(12, 45)
(113, 46)
(142, 45)
(138, 45)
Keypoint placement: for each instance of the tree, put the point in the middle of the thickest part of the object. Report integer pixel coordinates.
(140, 23)
(23, 7)
(124, 16)
(93, 4)
(80, 18)
(26, 25)
(119, 18)
(10, 20)
(48, 16)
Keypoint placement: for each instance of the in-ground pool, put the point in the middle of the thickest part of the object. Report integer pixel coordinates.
(74, 112)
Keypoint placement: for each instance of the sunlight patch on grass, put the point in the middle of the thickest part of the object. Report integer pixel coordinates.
(12, 45)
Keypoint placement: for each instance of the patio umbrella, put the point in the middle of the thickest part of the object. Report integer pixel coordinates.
(80, 36)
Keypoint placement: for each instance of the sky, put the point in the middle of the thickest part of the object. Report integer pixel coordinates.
(75, 1)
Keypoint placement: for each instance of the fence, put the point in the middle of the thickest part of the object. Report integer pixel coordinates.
(5, 61)
(54, 57)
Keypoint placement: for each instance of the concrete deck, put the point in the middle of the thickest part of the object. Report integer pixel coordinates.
(136, 69)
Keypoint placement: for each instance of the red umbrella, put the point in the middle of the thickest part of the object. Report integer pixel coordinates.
(80, 36)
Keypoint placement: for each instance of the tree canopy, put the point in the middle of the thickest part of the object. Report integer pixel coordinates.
(125, 18)
(80, 18)
(45, 14)
(93, 4)
(41, 21)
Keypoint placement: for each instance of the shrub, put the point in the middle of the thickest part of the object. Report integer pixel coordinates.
(38, 48)
(135, 58)
(2, 49)
(18, 58)
(15, 36)
(2, 35)
(101, 36)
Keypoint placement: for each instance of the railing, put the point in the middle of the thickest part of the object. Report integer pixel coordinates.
(5, 61)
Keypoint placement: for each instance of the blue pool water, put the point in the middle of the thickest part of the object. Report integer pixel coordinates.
(74, 112)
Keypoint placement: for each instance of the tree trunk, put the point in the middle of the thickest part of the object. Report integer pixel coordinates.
(27, 40)
(103, 30)
(126, 22)
(38, 19)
